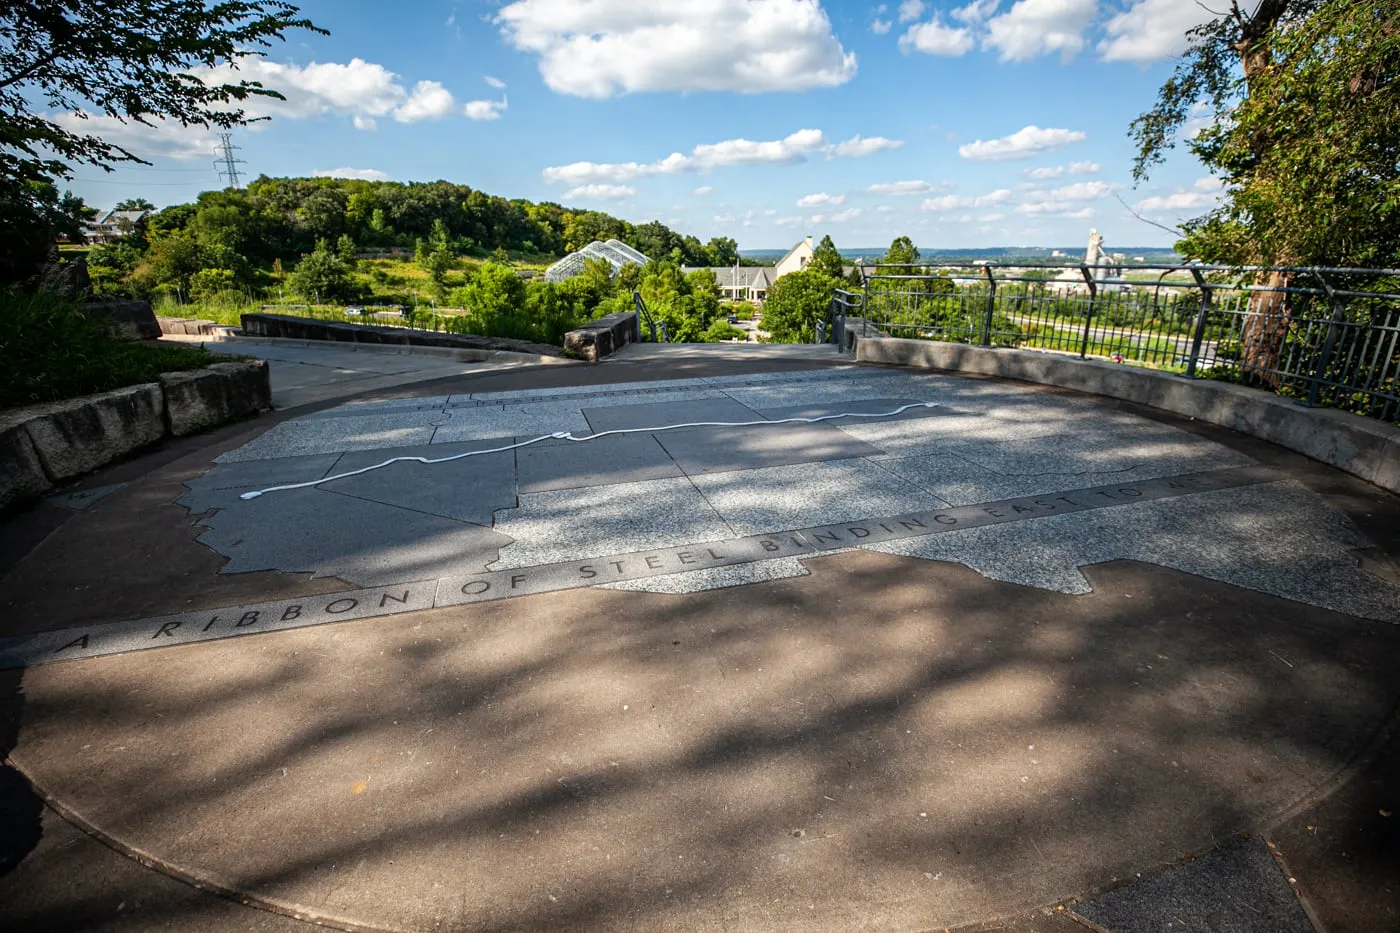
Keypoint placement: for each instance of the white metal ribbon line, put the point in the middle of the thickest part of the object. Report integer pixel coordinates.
(568, 436)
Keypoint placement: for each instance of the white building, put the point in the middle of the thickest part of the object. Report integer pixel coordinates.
(751, 283)
(112, 225)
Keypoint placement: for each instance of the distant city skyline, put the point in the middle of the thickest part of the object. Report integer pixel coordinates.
(960, 125)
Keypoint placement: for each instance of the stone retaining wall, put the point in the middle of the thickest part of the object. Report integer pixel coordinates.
(1360, 446)
(302, 328)
(126, 320)
(599, 338)
(193, 327)
(46, 444)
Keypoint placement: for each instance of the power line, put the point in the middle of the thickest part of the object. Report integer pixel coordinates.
(226, 163)
(138, 184)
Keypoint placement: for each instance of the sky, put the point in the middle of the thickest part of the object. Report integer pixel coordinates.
(987, 123)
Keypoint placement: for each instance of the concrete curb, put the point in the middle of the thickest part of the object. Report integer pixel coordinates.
(1360, 446)
(43, 445)
(466, 356)
(300, 328)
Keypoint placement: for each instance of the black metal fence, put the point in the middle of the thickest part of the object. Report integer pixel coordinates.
(1324, 336)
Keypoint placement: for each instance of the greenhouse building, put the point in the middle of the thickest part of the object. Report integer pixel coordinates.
(617, 253)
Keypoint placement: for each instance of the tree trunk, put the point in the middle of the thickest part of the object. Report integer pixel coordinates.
(1266, 324)
(1265, 328)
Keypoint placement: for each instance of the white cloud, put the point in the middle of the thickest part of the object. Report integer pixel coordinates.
(821, 200)
(1151, 30)
(368, 124)
(976, 11)
(840, 217)
(990, 218)
(496, 83)
(1021, 144)
(1084, 213)
(950, 202)
(1039, 27)
(858, 146)
(358, 88)
(366, 174)
(787, 221)
(1205, 193)
(599, 193)
(429, 101)
(885, 209)
(162, 138)
(880, 26)
(703, 190)
(1042, 207)
(904, 189)
(602, 48)
(790, 150)
(911, 10)
(934, 38)
(1082, 191)
(1055, 171)
(485, 109)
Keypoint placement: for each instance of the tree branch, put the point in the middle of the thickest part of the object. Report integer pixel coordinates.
(1172, 230)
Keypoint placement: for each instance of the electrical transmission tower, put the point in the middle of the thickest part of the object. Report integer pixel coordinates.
(226, 163)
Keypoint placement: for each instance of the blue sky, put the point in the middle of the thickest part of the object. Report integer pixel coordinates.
(958, 124)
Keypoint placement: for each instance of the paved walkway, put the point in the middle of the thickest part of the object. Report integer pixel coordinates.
(311, 372)
(713, 642)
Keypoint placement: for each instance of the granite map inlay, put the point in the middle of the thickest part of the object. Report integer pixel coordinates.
(1019, 485)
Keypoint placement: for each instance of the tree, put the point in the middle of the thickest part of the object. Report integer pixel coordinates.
(902, 251)
(345, 250)
(796, 302)
(1310, 155)
(321, 276)
(722, 251)
(496, 299)
(826, 259)
(134, 61)
(1227, 68)
(134, 204)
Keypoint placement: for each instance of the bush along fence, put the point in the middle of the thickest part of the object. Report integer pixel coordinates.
(1323, 336)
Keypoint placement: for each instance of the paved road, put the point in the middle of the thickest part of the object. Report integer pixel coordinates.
(969, 662)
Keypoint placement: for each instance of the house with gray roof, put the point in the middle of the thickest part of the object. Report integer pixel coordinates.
(112, 225)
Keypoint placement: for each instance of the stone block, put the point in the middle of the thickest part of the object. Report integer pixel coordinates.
(21, 474)
(187, 327)
(602, 337)
(206, 398)
(128, 320)
(80, 435)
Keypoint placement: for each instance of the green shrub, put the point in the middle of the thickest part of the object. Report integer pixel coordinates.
(50, 350)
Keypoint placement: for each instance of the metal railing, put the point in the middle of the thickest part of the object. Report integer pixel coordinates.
(644, 317)
(1324, 336)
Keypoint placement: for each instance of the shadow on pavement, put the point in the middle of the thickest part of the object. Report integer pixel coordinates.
(893, 742)
(20, 807)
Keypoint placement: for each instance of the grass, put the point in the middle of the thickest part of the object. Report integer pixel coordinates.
(51, 350)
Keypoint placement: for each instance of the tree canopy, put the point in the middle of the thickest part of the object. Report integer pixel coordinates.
(1302, 99)
(130, 60)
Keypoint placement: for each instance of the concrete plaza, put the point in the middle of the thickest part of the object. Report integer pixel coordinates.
(793, 645)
